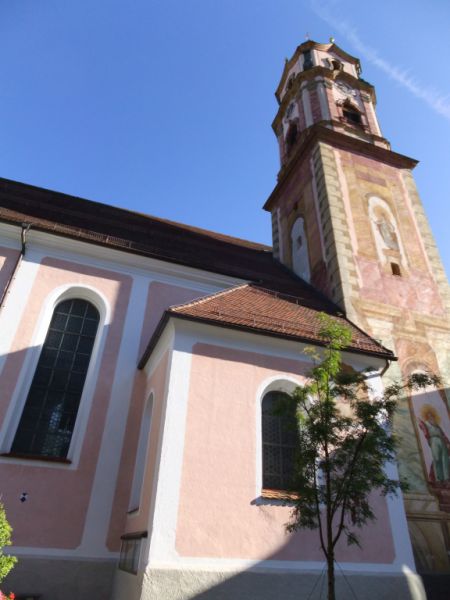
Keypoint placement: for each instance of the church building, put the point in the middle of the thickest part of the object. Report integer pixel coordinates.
(140, 358)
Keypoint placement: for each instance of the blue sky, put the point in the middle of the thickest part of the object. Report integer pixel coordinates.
(165, 106)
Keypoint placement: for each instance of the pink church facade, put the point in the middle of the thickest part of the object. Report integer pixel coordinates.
(197, 514)
(144, 477)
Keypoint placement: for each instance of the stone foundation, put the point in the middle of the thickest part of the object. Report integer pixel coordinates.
(258, 585)
(56, 579)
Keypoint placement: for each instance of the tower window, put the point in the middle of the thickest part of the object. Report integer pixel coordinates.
(337, 65)
(51, 408)
(396, 269)
(307, 60)
(291, 137)
(290, 110)
(351, 115)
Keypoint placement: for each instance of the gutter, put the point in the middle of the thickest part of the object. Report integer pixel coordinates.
(388, 356)
(23, 240)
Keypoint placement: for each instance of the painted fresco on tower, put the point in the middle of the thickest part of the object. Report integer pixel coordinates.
(433, 425)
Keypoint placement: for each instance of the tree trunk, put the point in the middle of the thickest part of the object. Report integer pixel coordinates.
(330, 563)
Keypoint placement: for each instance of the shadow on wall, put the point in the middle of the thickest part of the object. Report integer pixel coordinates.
(36, 518)
(52, 512)
(39, 497)
(429, 415)
(260, 583)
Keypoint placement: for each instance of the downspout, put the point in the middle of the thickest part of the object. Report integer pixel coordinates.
(23, 239)
(386, 367)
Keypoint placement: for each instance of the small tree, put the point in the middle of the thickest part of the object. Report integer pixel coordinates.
(344, 443)
(7, 562)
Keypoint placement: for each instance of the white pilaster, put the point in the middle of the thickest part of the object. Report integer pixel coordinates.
(100, 505)
(323, 100)
(162, 545)
(307, 107)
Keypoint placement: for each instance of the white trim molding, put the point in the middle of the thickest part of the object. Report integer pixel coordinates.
(11, 422)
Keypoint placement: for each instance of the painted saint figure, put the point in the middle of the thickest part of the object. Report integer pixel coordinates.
(388, 233)
(438, 442)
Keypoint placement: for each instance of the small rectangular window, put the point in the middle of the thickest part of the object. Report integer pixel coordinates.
(396, 269)
(130, 552)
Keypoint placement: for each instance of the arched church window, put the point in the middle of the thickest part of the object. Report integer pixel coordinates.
(299, 248)
(291, 137)
(51, 407)
(279, 441)
(337, 65)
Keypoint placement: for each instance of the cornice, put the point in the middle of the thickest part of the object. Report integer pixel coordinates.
(313, 72)
(41, 243)
(318, 133)
(327, 77)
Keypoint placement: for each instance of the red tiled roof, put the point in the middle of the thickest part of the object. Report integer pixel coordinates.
(278, 303)
(254, 308)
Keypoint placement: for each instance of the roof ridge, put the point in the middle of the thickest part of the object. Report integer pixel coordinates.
(206, 298)
(286, 296)
(223, 237)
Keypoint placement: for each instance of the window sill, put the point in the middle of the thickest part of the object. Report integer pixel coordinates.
(129, 571)
(135, 535)
(278, 495)
(36, 457)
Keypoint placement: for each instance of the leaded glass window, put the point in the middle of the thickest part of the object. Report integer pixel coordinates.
(279, 441)
(51, 408)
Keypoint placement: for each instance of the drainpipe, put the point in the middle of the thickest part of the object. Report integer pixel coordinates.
(386, 367)
(23, 239)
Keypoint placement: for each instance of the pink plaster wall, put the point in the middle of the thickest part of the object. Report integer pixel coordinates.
(138, 521)
(220, 513)
(58, 498)
(159, 297)
(8, 258)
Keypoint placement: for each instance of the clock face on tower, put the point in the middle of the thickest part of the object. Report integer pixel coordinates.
(346, 89)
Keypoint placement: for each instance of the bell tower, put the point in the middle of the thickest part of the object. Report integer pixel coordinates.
(346, 216)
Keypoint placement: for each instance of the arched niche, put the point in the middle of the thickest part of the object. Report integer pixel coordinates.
(299, 250)
(386, 235)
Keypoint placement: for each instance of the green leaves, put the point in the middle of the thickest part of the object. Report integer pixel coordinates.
(344, 442)
(7, 562)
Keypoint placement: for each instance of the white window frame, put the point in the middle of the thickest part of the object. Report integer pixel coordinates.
(18, 399)
(278, 383)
